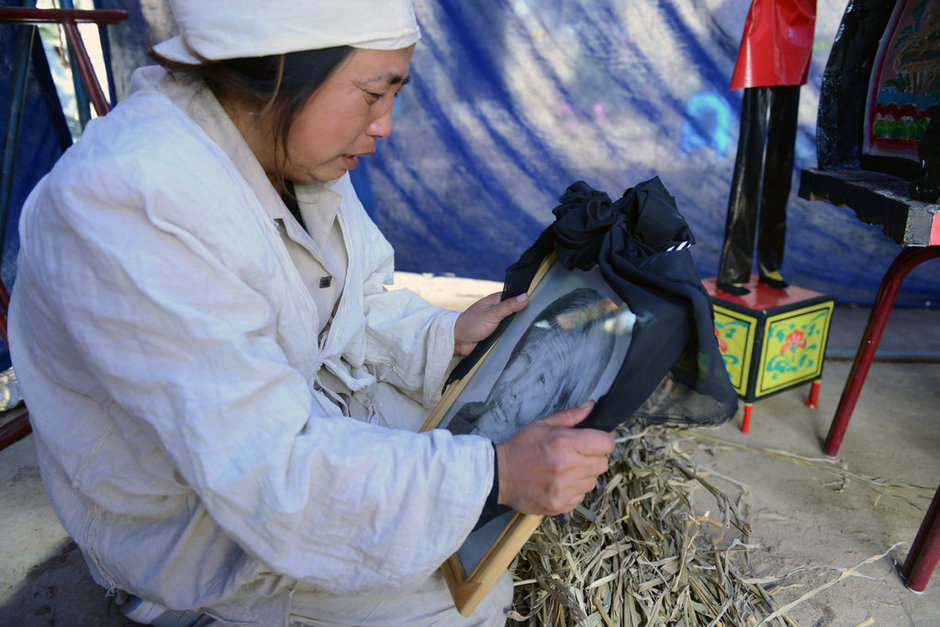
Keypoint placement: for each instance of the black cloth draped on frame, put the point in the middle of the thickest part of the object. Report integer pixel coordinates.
(673, 372)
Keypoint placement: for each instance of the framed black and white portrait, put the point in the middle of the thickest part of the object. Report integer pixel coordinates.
(565, 348)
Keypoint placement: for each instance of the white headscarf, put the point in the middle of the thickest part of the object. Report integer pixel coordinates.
(229, 29)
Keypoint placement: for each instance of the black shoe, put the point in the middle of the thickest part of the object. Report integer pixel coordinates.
(735, 289)
(779, 284)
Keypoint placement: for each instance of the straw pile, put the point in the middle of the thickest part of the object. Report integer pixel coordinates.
(635, 553)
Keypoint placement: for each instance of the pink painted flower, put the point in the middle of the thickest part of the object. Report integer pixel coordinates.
(794, 340)
(722, 345)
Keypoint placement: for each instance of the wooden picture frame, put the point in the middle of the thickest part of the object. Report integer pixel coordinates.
(564, 348)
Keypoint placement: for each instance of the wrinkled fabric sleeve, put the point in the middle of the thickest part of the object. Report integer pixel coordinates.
(408, 342)
(175, 325)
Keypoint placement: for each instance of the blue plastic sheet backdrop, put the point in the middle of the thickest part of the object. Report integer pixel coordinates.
(513, 100)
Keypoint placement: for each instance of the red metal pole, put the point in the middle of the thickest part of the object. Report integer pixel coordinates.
(15, 430)
(906, 261)
(85, 70)
(925, 551)
(68, 18)
(12, 15)
(4, 296)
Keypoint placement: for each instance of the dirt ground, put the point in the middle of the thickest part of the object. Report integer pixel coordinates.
(832, 531)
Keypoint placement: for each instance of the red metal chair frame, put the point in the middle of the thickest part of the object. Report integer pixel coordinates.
(924, 554)
(909, 258)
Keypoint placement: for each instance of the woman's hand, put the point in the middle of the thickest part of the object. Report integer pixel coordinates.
(548, 466)
(481, 319)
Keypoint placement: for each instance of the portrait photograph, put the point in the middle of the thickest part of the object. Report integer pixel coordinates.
(565, 348)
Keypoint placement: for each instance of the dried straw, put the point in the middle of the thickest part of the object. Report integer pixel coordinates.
(635, 553)
(915, 495)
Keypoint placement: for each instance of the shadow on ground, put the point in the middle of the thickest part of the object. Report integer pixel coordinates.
(59, 591)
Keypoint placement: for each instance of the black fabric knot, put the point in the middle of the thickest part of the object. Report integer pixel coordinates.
(582, 220)
(653, 219)
(643, 222)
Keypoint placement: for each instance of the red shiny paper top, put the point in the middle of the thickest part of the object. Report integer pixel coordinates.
(777, 44)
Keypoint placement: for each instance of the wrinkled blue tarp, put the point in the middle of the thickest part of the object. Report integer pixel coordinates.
(513, 100)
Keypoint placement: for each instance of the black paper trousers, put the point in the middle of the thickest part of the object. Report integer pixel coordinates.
(763, 169)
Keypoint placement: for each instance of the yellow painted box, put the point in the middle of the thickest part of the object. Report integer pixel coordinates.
(771, 339)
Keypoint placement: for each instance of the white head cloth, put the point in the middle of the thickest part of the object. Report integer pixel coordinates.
(229, 29)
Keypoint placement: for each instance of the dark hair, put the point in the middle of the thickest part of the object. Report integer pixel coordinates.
(281, 83)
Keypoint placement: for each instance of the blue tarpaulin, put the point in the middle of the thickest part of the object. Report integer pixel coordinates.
(513, 100)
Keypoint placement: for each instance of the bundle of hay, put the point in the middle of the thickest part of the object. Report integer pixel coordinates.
(635, 553)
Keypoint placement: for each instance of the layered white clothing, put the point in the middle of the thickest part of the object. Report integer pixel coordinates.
(211, 386)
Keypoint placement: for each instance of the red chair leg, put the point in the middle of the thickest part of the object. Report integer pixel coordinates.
(925, 551)
(746, 420)
(812, 401)
(906, 261)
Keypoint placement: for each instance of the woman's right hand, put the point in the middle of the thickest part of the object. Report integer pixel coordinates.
(547, 467)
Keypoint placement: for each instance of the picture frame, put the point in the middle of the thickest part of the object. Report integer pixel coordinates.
(565, 348)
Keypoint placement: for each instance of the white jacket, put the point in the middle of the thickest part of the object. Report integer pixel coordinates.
(187, 412)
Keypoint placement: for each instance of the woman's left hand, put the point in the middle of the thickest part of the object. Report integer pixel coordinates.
(481, 318)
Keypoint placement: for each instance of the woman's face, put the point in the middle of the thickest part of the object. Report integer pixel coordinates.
(346, 115)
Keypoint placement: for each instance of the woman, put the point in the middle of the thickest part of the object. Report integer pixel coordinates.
(224, 395)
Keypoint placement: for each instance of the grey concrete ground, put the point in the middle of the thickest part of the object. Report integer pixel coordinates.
(809, 525)
(813, 524)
